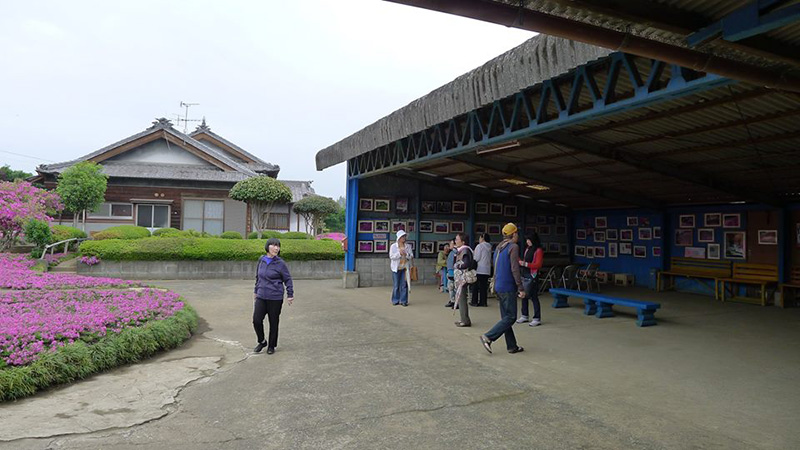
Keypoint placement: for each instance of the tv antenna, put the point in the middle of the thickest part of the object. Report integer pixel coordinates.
(185, 118)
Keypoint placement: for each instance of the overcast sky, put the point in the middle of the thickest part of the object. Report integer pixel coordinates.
(282, 79)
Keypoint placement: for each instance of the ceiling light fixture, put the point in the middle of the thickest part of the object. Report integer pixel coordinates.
(514, 181)
(478, 185)
(538, 187)
(503, 146)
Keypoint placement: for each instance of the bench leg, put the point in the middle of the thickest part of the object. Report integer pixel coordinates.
(560, 301)
(646, 318)
(604, 310)
(591, 307)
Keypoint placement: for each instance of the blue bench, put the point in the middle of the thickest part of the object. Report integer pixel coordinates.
(601, 305)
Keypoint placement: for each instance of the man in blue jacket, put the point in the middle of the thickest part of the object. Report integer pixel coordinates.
(508, 285)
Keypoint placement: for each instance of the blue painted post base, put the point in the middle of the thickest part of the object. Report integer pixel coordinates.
(604, 310)
(591, 307)
(560, 301)
(646, 318)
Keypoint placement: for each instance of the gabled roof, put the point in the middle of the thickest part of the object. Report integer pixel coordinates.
(204, 134)
(228, 167)
(299, 189)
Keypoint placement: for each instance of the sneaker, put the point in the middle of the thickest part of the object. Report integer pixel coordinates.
(487, 344)
(516, 350)
(535, 323)
(522, 319)
(449, 305)
(259, 347)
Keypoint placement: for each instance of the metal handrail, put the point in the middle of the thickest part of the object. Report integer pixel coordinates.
(53, 246)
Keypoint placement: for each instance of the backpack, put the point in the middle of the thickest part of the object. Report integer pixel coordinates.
(491, 281)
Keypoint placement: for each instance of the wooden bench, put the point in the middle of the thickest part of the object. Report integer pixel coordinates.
(601, 305)
(761, 275)
(698, 269)
(792, 285)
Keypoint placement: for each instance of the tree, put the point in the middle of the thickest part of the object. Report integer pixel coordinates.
(82, 187)
(7, 174)
(315, 208)
(38, 232)
(20, 202)
(335, 221)
(261, 193)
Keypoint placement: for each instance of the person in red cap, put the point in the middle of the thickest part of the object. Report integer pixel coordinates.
(508, 285)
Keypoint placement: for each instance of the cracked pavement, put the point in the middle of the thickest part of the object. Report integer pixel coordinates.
(351, 371)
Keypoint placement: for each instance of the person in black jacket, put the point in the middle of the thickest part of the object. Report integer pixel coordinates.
(464, 262)
(272, 275)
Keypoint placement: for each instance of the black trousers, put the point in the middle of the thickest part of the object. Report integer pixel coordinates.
(483, 289)
(261, 309)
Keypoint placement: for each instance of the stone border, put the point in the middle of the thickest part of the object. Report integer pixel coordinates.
(201, 270)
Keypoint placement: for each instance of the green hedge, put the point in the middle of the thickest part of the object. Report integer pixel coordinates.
(122, 232)
(279, 235)
(80, 360)
(207, 249)
(64, 232)
(167, 232)
(231, 235)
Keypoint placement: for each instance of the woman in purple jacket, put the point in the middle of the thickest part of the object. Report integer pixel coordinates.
(271, 277)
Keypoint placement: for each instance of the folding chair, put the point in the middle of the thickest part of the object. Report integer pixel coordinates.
(569, 277)
(589, 277)
(547, 281)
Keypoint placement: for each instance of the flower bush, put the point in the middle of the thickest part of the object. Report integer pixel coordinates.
(89, 260)
(20, 202)
(16, 273)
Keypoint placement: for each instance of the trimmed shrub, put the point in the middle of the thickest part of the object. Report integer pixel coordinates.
(79, 360)
(231, 235)
(122, 232)
(64, 232)
(295, 235)
(167, 232)
(208, 249)
(265, 235)
(38, 232)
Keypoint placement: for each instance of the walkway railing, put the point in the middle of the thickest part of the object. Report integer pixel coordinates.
(53, 246)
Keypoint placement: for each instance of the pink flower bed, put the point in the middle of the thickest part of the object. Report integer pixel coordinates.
(15, 273)
(334, 236)
(32, 322)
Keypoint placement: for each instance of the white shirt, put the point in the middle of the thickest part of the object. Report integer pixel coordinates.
(483, 254)
(398, 261)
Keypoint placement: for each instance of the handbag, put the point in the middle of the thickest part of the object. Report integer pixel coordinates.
(413, 273)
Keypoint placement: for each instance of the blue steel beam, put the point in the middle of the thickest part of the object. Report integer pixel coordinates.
(750, 20)
(350, 224)
(519, 119)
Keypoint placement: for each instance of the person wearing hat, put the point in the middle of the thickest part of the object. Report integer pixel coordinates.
(272, 276)
(400, 255)
(508, 285)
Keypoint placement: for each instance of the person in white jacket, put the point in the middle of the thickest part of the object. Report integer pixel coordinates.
(483, 254)
(400, 255)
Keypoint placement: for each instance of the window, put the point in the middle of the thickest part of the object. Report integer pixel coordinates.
(278, 221)
(152, 216)
(204, 215)
(113, 211)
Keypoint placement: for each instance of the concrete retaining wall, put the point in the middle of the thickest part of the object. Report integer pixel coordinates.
(377, 272)
(197, 270)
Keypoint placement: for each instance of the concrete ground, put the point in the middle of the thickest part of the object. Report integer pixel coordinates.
(351, 371)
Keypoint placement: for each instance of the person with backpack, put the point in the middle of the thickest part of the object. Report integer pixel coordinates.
(508, 286)
(451, 285)
(531, 263)
(464, 275)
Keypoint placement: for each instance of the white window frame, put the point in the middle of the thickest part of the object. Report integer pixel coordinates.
(151, 228)
(204, 200)
(110, 217)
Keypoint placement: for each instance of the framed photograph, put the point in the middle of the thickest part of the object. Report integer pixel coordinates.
(768, 237)
(381, 226)
(626, 235)
(561, 230)
(381, 246)
(412, 244)
(640, 251)
(428, 207)
(410, 226)
(656, 232)
(684, 238)
(382, 205)
(494, 228)
(632, 221)
(686, 221)
(644, 221)
(580, 234)
(441, 245)
(561, 220)
(365, 246)
(735, 244)
(481, 228)
(544, 230)
(712, 220)
(481, 208)
(366, 226)
(456, 227)
(496, 208)
(612, 250)
(580, 250)
(695, 252)
(656, 252)
(705, 235)
(426, 247)
(599, 236)
(425, 226)
(398, 225)
(553, 247)
(541, 219)
(459, 207)
(625, 248)
(612, 234)
(713, 251)
(444, 207)
(797, 234)
(563, 249)
(441, 227)
(510, 210)
(380, 236)
(645, 234)
(599, 252)
(601, 222)
(530, 230)
(731, 221)
(365, 204)
(590, 252)
(401, 205)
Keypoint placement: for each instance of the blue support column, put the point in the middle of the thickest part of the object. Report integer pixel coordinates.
(350, 224)
(783, 226)
(470, 227)
(418, 219)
